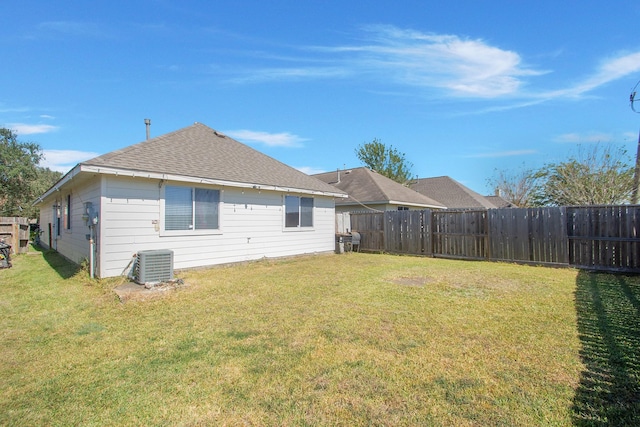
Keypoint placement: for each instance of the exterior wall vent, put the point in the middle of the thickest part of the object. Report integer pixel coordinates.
(154, 266)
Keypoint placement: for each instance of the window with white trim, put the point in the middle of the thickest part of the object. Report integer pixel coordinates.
(191, 208)
(298, 211)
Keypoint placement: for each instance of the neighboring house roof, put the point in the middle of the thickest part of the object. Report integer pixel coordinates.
(500, 202)
(451, 193)
(365, 186)
(198, 153)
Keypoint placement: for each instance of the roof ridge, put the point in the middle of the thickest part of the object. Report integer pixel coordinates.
(372, 173)
(463, 190)
(200, 151)
(139, 144)
(474, 194)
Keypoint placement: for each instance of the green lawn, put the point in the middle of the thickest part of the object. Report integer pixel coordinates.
(353, 339)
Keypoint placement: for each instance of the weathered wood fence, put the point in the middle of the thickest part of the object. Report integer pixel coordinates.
(591, 237)
(14, 231)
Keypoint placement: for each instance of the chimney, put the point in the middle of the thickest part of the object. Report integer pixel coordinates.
(147, 122)
(338, 170)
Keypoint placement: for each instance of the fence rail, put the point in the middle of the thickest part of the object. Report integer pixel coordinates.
(592, 237)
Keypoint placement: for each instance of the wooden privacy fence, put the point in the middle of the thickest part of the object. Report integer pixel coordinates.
(14, 231)
(607, 236)
(533, 235)
(592, 237)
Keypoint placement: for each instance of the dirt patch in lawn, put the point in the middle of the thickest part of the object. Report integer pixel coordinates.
(134, 291)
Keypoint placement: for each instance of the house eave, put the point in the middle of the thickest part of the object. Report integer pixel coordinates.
(390, 202)
(416, 205)
(92, 169)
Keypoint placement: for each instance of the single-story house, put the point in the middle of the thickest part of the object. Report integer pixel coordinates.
(367, 190)
(450, 193)
(197, 192)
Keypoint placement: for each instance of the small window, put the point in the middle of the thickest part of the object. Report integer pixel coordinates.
(298, 211)
(57, 221)
(187, 208)
(67, 213)
(403, 208)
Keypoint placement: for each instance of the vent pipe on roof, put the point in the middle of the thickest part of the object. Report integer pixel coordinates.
(147, 122)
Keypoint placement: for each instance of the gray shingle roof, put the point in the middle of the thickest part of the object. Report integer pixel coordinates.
(198, 151)
(500, 202)
(451, 193)
(366, 186)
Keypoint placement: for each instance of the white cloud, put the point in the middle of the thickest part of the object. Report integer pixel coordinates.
(459, 66)
(64, 160)
(452, 64)
(283, 139)
(612, 69)
(27, 129)
(462, 66)
(609, 70)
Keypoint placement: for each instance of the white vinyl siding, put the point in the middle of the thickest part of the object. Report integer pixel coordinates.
(69, 229)
(131, 221)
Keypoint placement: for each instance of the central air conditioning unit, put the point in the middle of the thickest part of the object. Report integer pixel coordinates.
(154, 266)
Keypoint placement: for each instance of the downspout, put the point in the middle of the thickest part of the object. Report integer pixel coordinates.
(91, 250)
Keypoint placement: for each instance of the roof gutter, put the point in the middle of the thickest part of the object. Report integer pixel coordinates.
(196, 180)
(80, 168)
(392, 202)
(396, 202)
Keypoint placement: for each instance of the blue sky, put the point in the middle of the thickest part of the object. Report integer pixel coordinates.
(461, 87)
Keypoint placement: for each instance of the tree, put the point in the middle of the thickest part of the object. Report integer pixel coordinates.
(600, 176)
(21, 179)
(517, 187)
(385, 160)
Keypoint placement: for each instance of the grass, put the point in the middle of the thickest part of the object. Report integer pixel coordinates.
(353, 339)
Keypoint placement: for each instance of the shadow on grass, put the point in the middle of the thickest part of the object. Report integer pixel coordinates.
(60, 264)
(608, 308)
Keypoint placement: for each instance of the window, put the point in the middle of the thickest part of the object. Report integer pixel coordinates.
(187, 208)
(403, 208)
(67, 213)
(56, 219)
(298, 211)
